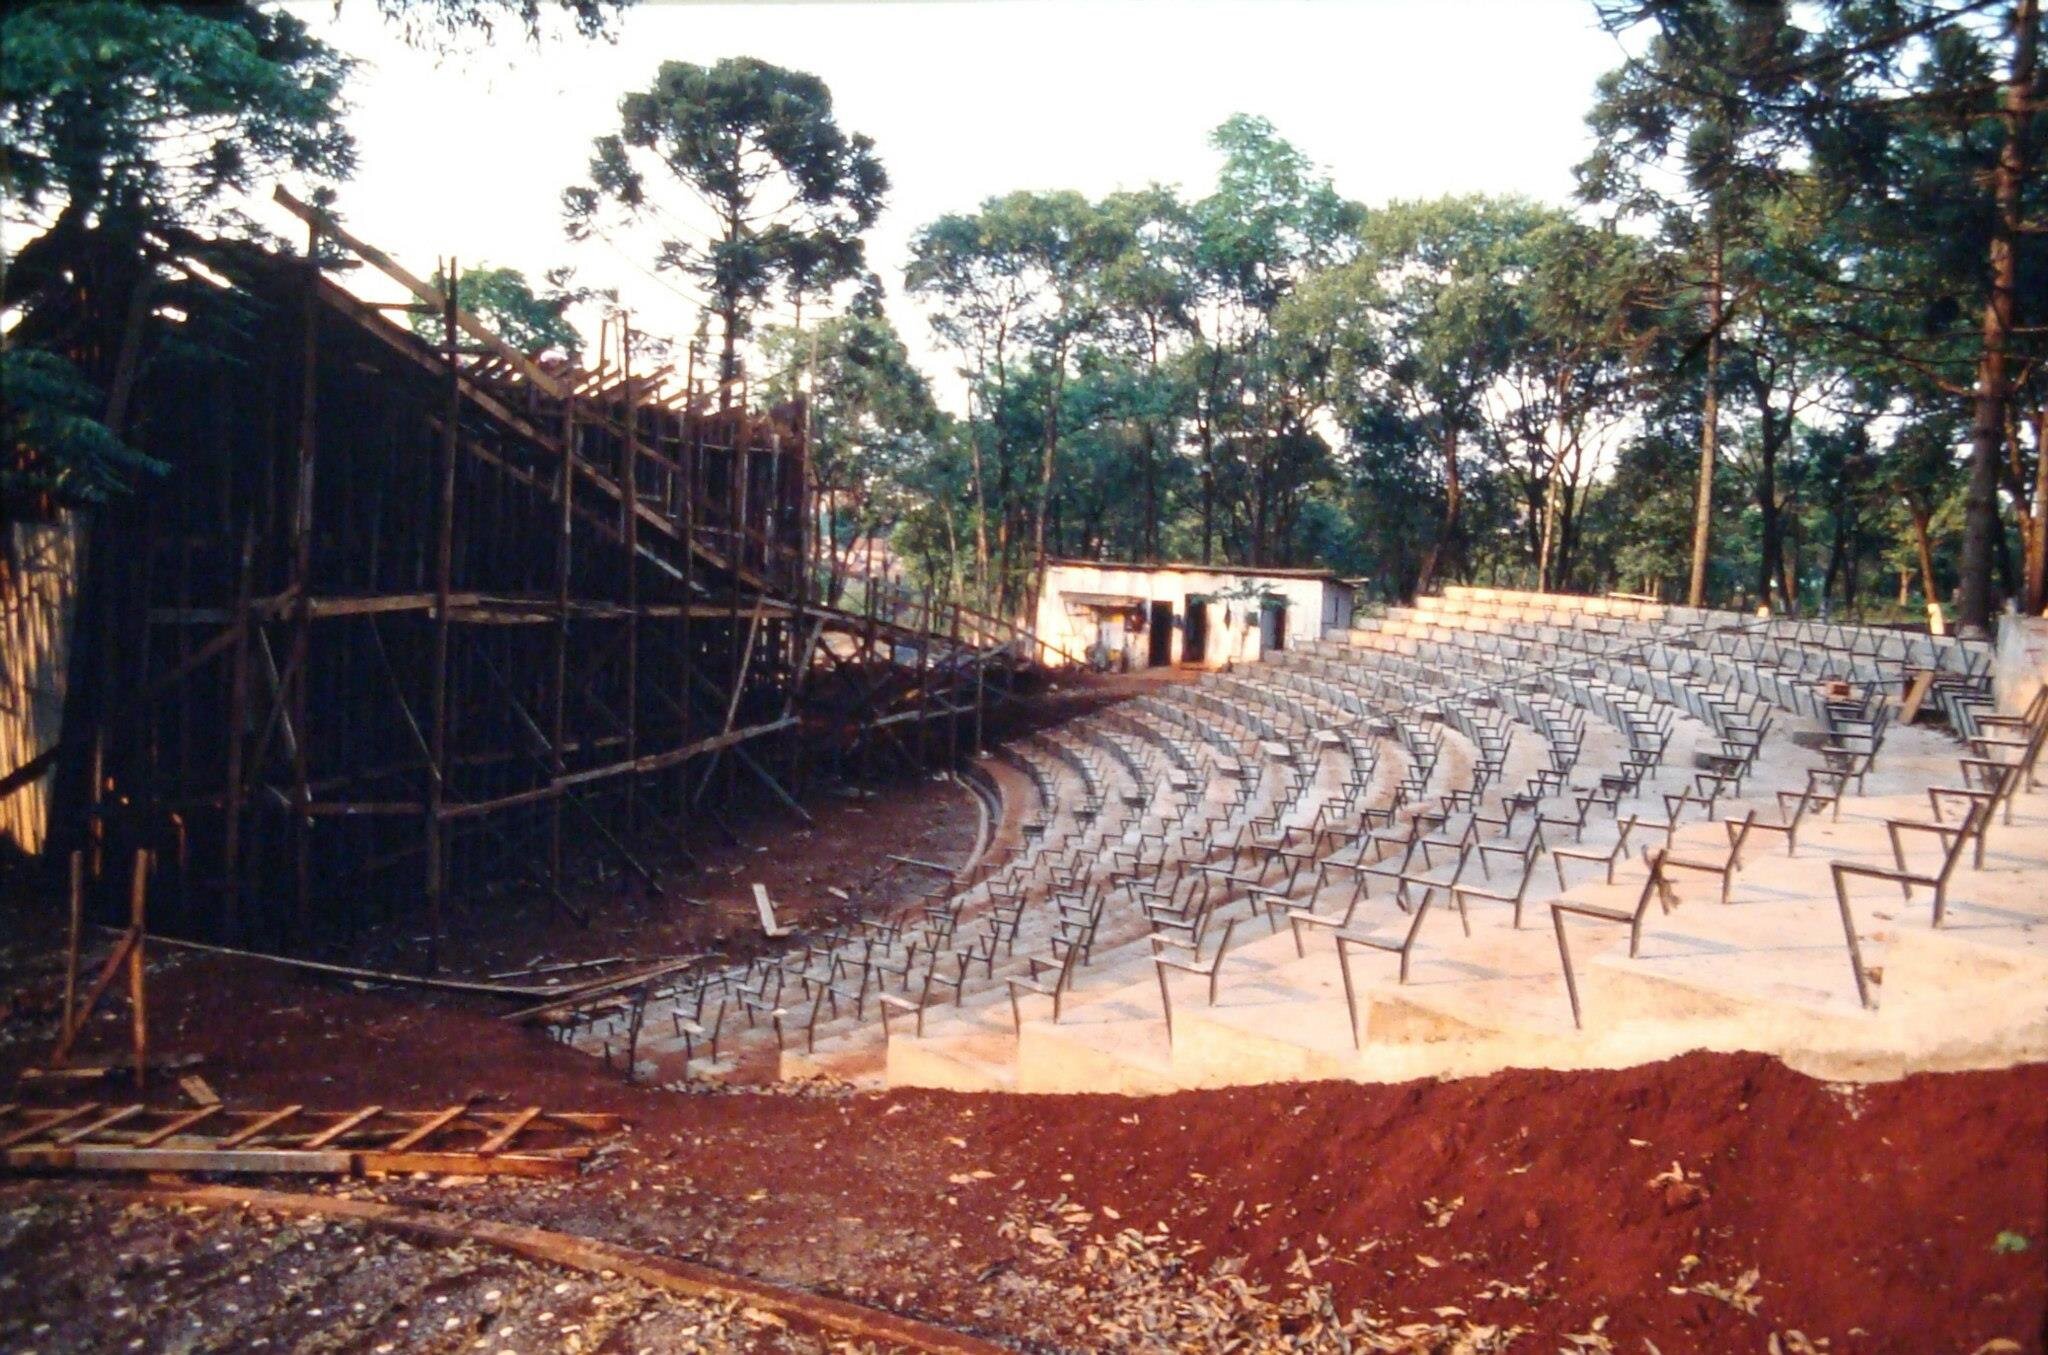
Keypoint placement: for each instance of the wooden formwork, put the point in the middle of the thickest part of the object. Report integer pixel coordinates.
(414, 615)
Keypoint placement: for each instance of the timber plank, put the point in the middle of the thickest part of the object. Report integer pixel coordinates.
(178, 1124)
(434, 1123)
(106, 1121)
(342, 1126)
(259, 1125)
(55, 1118)
(509, 1132)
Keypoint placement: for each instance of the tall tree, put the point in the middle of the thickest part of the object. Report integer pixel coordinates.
(1418, 330)
(122, 119)
(1687, 104)
(1018, 285)
(1148, 292)
(136, 116)
(786, 194)
(870, 422)
(977, 285)
(1273, 220)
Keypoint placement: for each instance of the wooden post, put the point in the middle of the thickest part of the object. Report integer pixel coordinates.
(564, 535)
(953, 698)
(138, 922)
(238, 720)
(72, 940)
(299, 664)
(690, 460)
(443, 566)
(629, 494)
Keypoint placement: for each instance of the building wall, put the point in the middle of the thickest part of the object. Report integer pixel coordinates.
(1312, 604)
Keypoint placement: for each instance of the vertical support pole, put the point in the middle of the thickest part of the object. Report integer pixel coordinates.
(867, 589)
(924, 686)
(953, 698)
(800, 643)
(564, 531)
(71, 942)
(444, 552)
(138, 1005)
(692, 441)
(302, 588)
(629, 494)
(735, 550)
(238, 725)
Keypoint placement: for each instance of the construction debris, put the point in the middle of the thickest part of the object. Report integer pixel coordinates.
(92, 1137)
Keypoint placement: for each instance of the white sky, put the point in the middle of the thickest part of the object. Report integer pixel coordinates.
(469, 154)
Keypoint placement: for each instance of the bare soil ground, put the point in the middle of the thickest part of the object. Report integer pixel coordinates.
(90, 1275)
(708, 905)
(1712, 1203)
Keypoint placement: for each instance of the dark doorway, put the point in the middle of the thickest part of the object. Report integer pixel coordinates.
(1162, 634)
(1194, 648)
(1279, 614)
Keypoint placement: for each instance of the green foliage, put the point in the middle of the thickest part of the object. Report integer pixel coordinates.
(789, 194)
(874, 430)
(57, 448)
(502, 297)
(148, 114)
(441, 24)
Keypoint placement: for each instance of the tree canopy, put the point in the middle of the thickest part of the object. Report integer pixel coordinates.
(786, 193)
(1784, 347)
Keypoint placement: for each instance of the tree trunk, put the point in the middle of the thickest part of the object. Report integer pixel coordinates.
(1772, 552)
(1788, 569)
(1924, 549)
(1433, 559)
(1548, 544)
(1838, 548)
(1987, 429)
(1710, 432)
(981, 575)
(1049, 453)
(1148, 537)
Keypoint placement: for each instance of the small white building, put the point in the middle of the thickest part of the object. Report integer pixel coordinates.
(1143, 616)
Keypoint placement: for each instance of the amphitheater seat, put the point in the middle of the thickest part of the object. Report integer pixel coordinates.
(1654, 885)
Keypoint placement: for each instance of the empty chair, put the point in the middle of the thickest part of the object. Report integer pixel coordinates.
(1952, 836)
(1616, 850)
(1063, 971)
(1210, 969)
(1654, 883)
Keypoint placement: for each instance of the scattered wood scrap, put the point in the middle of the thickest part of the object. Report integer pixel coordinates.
(816, 1312)
(527, 991)
(769, 926)
(366, 1141)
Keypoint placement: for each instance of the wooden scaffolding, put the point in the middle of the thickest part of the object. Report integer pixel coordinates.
(408, 615)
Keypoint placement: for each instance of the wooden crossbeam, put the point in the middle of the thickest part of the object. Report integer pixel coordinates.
(45, 1125)
(178, 1124)
(342, 1126)
(433, 1124)
(93, 993)
(428, 295)
(61, 1140)
(259, 1125)
(106, 1121)
(498, 1141)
